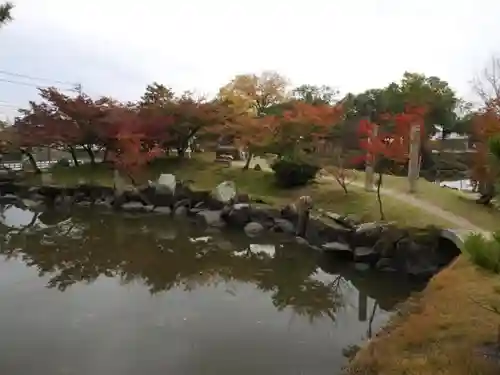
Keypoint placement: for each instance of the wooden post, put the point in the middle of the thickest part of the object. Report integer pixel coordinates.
(362, 306)
(414, 162)
(369, 167)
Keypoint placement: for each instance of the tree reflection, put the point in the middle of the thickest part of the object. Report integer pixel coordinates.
(158, 253)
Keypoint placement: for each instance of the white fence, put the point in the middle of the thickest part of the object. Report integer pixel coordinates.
(41, 164)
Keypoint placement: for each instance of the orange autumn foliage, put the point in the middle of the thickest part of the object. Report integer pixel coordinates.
(486, 125)
(301, 125)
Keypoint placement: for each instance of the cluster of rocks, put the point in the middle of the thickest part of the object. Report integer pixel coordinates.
(380, 246)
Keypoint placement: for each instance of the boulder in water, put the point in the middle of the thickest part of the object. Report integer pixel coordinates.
(225, 192)
(166, 183)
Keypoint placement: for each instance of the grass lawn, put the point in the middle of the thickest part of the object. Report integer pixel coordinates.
(259, 184)
(439, 331)
(454, 201)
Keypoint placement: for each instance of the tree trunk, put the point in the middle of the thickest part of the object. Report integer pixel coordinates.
(105, 155)
(73, 156)
(369, 164)
(91, 154)
(247, 163)
(487, 191)
(32, 161)
(414, 162)
(379, 198)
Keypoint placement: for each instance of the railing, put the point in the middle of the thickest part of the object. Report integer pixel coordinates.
(17, 166)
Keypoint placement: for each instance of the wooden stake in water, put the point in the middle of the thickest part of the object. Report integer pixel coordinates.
(414, 162)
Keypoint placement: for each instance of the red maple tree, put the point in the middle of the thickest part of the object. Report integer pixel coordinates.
(129, 146)
(389, 140)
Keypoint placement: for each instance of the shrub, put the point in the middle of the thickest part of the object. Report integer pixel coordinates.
(63, 163)
(484, 252)
(289, 173)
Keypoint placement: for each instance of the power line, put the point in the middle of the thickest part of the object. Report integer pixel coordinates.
(12, 74)
(14, 82)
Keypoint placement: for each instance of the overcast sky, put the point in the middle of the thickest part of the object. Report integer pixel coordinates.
(116, 47)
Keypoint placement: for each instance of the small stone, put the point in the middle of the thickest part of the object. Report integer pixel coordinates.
(181, 211)
(163, 210)
(257, 167)
(336, 246)
(133, 206)
(361, 267)
(366, 227)
(301, 241)
(253, 229)
(239, 206)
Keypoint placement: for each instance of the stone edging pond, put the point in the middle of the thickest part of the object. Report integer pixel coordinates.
(417, 252)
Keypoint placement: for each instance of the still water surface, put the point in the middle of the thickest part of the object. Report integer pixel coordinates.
(95, 293)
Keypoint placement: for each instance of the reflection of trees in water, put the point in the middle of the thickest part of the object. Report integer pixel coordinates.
(90, 245)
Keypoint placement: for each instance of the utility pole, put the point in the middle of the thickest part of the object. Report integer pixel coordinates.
(78, 88)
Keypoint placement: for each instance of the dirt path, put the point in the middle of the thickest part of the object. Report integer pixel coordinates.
(462, 225)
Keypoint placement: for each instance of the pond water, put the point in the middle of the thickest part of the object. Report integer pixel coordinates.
(99, 293)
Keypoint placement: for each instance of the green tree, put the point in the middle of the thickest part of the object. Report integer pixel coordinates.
(315, 95)
(6, 13)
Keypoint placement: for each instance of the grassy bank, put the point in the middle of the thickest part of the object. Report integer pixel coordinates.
(206, 175)
(459, 203)
(440, 331)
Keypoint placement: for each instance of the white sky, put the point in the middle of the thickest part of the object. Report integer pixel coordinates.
(116, 47)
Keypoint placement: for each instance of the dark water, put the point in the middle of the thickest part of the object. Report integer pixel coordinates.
(97, 293)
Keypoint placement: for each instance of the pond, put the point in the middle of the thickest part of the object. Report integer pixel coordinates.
(101, 293)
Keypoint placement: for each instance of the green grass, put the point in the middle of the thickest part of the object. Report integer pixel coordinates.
(259, 184)
(459, 203)
(485, 252)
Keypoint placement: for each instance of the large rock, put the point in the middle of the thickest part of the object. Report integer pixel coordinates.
(365, 255)
(415, 259)
(237, 215)
(211, 218)
(225, 192)
(284, 225)
(337, 247)
(166, 184)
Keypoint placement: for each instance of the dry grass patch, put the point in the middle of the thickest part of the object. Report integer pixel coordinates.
(439, 332)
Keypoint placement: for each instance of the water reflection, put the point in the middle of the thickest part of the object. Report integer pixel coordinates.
(199, 273)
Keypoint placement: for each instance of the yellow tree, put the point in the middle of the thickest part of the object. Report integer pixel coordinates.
(251, 95)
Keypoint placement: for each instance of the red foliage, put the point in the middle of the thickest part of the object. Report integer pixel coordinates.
(486, 124)
(129, 150)
(392, 140)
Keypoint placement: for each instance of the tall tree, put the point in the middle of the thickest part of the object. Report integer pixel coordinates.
(253, 93)
(6, 13)
(312, 94)
(487, 83)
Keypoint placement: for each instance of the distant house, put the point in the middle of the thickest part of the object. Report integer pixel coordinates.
(454, 143)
